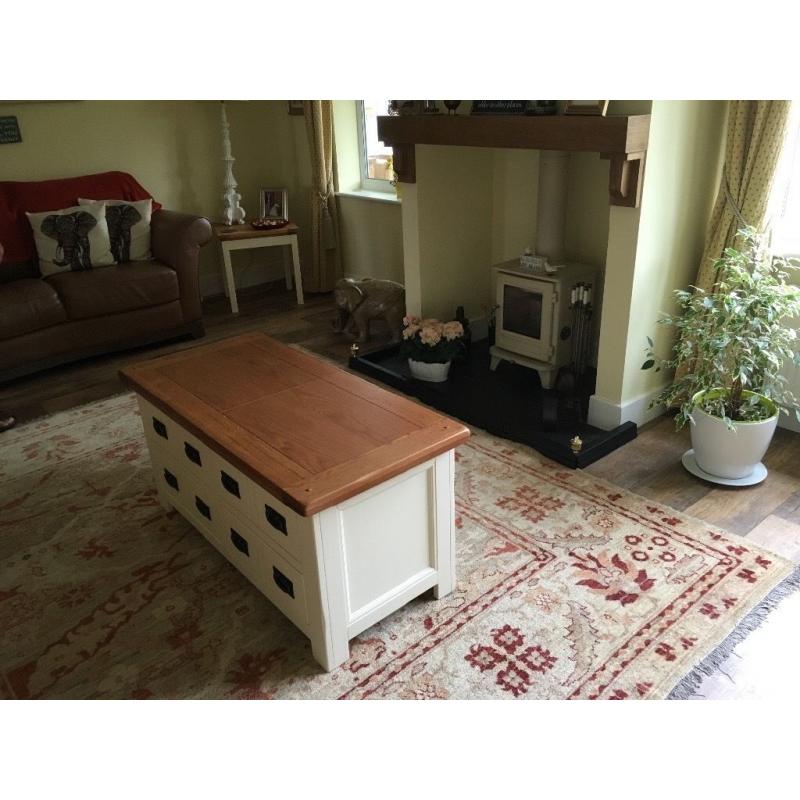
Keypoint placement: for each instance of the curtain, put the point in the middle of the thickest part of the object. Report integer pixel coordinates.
(326, 266)
(756, 131)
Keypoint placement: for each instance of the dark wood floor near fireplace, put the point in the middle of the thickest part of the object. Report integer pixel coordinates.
(649, 465)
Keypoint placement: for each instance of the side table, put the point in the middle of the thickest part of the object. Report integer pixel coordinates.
(245, 237)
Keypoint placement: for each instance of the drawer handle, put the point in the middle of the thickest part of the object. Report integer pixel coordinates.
(240, 543)
(202, 507)
(160, 428)
(278, 521)
(230, 484)
(282, 582)
(193, 454)
(171, 480)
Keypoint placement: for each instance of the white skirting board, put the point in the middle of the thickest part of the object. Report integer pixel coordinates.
(606, 415)
(789, 421)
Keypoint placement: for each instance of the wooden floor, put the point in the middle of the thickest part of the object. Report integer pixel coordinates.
(649, 466)
(768, 514)
(270, 309)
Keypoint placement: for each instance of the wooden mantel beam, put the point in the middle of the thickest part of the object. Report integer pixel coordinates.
(622, 139)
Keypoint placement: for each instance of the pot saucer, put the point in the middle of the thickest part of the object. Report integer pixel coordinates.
(756, 476)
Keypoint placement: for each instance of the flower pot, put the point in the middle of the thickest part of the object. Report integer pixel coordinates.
(434, 373)
(727, 453)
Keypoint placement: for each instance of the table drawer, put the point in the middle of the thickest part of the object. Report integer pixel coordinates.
(247, 550)
(244, 546)
(198, 462)
(284, 527)
(236, 537)
(245, 497)
(159, 429)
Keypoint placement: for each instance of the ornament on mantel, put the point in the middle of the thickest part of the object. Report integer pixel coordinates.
(233, 213)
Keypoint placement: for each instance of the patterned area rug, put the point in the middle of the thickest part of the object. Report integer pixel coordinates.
(568, 587)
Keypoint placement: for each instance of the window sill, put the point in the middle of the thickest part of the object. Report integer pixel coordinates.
(363, 194)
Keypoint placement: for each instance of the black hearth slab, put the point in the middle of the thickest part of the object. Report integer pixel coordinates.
(507, 403)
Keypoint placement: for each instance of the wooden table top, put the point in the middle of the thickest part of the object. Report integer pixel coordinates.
(311, 434)
(226, 233)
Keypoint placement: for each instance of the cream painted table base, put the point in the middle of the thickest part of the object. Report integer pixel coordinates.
(333, 574)
(245, 238)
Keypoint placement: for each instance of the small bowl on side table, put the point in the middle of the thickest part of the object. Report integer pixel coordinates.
(268, 223)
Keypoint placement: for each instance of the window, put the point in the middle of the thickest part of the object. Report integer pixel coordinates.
(375, 158)
(785, 203)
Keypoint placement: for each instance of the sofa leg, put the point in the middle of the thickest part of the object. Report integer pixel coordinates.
(198, 330)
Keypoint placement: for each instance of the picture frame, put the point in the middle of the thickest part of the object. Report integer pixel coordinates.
(274, 203)
(595, 108)
(9, 131)
(295, 107)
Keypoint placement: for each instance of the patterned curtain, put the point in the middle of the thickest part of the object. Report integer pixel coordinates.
(327, 257)
(756, 131)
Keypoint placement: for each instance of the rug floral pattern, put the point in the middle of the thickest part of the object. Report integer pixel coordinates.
(568, 587)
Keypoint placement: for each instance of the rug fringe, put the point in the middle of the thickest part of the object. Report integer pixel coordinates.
(687, 686)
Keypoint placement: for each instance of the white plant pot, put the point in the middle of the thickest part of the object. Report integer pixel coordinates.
(434, 373)
(729, 453)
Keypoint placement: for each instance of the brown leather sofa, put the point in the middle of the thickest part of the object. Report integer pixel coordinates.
(49, 321)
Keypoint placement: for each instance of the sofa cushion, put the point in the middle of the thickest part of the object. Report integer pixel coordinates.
(72, 238)
(128, 227)
(17, 197)
(28, 305)
(113, 290)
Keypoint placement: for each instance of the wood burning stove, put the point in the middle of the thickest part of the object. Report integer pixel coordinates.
(534, 317)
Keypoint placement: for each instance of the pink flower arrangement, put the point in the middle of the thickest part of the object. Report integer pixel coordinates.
(431, 340)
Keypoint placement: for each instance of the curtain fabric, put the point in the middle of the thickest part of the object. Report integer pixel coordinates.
(756, 131)
(326, 266)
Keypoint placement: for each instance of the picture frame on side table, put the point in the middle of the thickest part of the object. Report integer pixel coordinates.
(596, 108)
(274, 203)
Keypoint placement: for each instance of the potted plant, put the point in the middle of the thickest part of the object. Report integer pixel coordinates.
(430, 346)
(732, 343)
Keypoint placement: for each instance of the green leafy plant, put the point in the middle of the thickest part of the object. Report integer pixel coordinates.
(734, 338)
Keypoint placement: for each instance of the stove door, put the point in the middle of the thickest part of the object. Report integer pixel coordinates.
(525, 316)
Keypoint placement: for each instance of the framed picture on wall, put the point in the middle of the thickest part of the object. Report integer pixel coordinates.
(274, 203)
(295, 107)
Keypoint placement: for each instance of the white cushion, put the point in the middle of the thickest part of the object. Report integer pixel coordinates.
(74, 238)
(128, 227)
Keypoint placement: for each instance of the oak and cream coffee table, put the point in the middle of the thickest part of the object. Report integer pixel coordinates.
(330, 494)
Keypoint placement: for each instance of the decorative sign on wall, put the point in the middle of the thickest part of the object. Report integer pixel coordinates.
(498, 106)
(9, 130)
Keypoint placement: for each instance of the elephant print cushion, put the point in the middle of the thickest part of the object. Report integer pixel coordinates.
(73, 238)
(128, 227)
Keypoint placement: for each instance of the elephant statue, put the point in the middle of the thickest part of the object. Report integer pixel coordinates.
(71, 231)
(359, 301)
(120, 220)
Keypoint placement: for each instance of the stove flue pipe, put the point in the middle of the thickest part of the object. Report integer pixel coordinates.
(551, 205)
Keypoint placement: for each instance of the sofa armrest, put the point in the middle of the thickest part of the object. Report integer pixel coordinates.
(176, 240)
